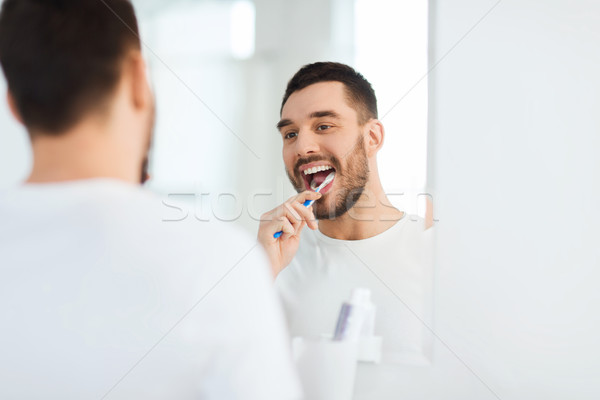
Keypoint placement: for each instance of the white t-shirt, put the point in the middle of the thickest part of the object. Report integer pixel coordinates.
(395, 265)
(101, 298)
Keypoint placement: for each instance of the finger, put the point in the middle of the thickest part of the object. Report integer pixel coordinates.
(302, 225)
(267, 230)
(312, 223)
(287, 228)
(287, 211)
(291, 209)
(307, 195)
(306, 214)
(286, 225)
(295, 224)
(294, 217)
(282, 219)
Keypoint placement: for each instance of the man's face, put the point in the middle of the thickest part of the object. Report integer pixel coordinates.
(321, 130)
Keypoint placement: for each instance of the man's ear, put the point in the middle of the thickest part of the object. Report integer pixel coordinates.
(12, 105)
(140, 89)
(375, 135)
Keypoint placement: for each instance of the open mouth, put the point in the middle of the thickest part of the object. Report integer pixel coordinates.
(315, 176)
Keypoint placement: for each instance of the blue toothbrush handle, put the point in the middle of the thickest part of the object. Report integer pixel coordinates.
(307, 203)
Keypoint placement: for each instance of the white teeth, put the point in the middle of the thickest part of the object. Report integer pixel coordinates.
(316, 169)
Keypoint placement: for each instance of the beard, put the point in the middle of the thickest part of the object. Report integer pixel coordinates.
(144, 176)
(351, 181)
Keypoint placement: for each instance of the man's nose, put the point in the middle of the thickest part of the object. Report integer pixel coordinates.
(307, 143)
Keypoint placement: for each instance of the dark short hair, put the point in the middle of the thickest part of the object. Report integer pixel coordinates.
(62, 58)
(359, 92)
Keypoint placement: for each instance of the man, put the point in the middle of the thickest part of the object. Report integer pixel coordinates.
(329, 124)
(98, 297)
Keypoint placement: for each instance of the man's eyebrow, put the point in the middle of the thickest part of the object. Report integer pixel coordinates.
(321, 114)
(283, 122)
(316, 114)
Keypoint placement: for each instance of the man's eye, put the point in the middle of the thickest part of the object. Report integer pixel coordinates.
(323, 127)
(290, 135)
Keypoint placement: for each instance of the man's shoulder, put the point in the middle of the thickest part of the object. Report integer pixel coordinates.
(406, 232)
(152, 213)
(116, 216)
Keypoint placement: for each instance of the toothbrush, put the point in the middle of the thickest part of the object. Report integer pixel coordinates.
(309, 203)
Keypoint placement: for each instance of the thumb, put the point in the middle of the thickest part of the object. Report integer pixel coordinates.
(308, 195)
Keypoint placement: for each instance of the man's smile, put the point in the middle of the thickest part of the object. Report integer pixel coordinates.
(314, 174)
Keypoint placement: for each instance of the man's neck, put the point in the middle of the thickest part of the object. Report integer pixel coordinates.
(371, 215)
(83, 153)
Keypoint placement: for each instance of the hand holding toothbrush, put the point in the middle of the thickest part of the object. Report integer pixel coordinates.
(289, 218)
(279, 230)
(308, 203)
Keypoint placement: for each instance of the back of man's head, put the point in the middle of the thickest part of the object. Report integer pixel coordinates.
(62, 58)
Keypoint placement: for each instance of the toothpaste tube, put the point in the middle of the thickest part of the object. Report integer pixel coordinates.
(357, 316)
